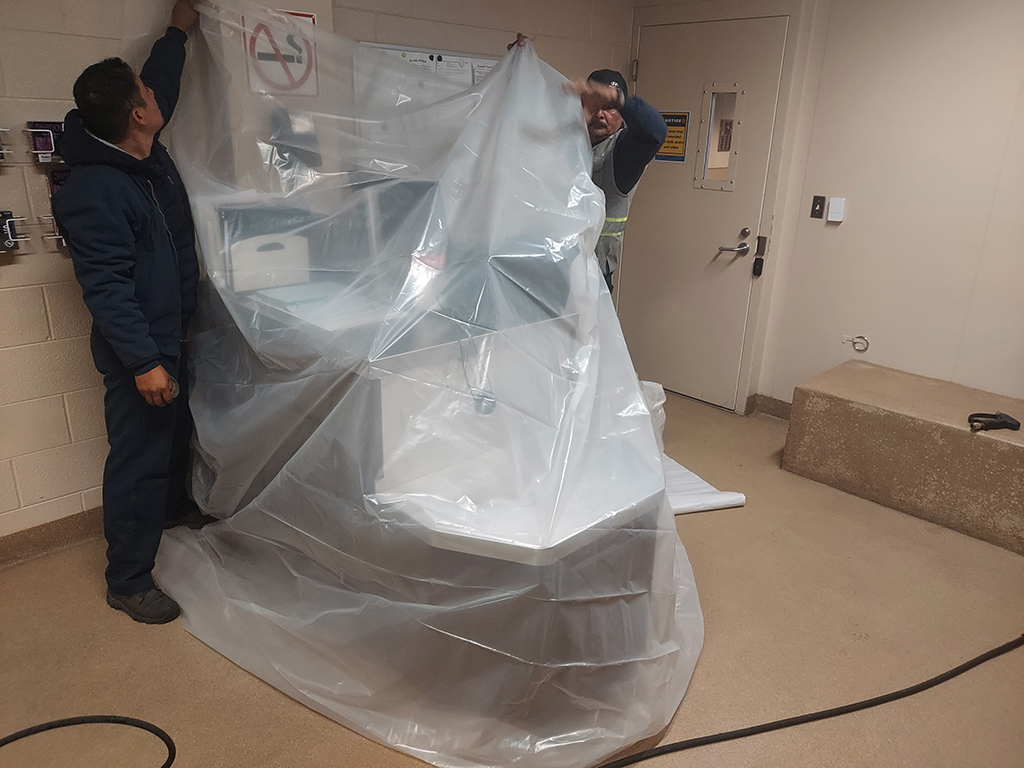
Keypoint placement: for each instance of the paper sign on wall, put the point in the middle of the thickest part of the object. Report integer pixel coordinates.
(424, 61)
(674, 148)
(279, 61)
(463, 69)
(482, 68)
(455, 68)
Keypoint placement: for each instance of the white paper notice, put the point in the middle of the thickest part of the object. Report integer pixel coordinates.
(456, 69)
(424, 61)
(481, 69)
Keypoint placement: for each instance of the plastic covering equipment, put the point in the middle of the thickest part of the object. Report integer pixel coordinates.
(443, 511)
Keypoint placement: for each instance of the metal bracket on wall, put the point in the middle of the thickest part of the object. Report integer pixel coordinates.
(42, 155)
(45, 135)
(56, 235)
(4, 151)
(9, 237)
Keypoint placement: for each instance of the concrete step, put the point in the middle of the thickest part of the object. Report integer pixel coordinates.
(903, 441)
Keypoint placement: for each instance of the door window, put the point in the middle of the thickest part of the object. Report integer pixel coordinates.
(719, 143)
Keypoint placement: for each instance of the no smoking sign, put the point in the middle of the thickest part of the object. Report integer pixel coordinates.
(281, 60)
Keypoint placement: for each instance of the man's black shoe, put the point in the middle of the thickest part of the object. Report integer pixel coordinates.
(149, 607)
(192, 518)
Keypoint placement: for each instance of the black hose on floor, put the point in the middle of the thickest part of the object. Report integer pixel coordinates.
(665, 749)
(701, 741)
(89, 719)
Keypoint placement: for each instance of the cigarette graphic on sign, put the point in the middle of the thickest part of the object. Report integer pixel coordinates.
(295, 58)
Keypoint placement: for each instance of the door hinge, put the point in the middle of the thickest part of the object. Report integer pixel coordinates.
(635, 69)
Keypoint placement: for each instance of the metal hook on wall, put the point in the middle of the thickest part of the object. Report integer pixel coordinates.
(859, 343)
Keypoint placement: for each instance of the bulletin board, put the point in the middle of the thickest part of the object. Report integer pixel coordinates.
(463, 68)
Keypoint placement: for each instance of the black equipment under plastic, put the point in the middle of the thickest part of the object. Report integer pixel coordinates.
(90, 719)
(701, 741)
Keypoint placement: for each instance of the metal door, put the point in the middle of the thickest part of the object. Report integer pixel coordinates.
(683, 300)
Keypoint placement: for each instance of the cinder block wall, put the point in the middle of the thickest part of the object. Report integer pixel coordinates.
(52, 440)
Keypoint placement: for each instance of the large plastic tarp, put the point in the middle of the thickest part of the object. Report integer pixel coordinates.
(443, 511)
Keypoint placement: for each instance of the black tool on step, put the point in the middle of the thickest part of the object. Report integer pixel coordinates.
(997, 420)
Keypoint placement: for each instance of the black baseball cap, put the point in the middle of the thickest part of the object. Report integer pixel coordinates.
(610, 77)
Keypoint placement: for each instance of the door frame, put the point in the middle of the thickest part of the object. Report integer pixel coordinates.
(801, 65)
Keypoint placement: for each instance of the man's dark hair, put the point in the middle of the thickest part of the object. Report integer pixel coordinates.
(610, 77)
(105, 94)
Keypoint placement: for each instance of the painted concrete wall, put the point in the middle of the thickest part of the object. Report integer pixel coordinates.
(574, 36)
(918, 121)
(914, 112)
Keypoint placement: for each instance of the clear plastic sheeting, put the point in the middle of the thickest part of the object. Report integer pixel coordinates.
(686, 491)
(654, 398)
(443, 510)
(689, 493)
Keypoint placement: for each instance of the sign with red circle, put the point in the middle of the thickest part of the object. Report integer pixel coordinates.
(279, 59)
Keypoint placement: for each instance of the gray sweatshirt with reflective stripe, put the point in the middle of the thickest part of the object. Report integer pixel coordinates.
(619, 161)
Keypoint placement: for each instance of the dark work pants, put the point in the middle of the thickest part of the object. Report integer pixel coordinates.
(146, 471)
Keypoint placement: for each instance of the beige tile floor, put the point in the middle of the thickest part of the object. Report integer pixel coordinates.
(812, 598)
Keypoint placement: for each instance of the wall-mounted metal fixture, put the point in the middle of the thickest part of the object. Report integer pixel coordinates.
(9, 237)
(4, 151)
(45, 135)
(859, 343)
(742, 249)
(55, 235)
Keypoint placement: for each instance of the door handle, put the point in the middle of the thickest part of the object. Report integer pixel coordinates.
(742, 249)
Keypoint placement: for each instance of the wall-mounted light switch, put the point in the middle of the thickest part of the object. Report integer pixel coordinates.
(818, 207)
(836, 209)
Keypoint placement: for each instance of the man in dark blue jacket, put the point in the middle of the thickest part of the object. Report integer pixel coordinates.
(126, 218)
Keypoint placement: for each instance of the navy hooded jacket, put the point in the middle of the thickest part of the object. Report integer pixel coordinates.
(130, 230)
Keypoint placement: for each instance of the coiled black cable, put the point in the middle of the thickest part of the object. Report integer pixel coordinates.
(824, 714)
(89, 719)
